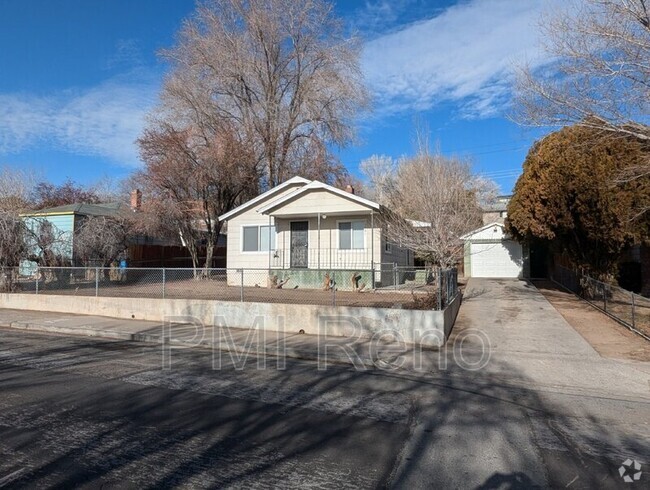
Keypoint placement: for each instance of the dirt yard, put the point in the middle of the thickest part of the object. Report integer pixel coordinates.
(606, 336)
(219, 290)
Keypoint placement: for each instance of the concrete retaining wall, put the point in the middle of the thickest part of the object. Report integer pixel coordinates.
(414, 326)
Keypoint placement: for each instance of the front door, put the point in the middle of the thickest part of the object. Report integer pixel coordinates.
(299, 244)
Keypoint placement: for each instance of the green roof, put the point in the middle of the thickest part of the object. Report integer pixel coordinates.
(107, 209)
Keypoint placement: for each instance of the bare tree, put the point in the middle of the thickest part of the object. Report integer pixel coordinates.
(12, 248)
(379, 171)
(109, 189)
(193, 175)
(16, 186)
(101, 240)
(47, 245)
(280, 72)
(12, 239)
(431, 201)
(48, 195)
(600, 76)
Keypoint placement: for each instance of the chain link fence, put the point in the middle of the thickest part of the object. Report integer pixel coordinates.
(628, 308)
(399, 288)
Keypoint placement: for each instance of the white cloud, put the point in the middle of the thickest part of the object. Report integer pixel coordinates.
(465, 55)
(103, 121)
(127, 54)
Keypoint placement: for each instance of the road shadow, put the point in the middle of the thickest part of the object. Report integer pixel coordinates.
(88, 413)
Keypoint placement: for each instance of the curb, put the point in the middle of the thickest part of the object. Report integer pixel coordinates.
(157, 339)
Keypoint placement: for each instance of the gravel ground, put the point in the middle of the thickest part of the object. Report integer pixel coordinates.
(606, 336)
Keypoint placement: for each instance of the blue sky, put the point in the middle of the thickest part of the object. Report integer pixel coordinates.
(77, 78)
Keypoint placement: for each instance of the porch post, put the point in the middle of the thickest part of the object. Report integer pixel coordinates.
(331, 245)
(372, 244)
(318, 241)
(269, 244)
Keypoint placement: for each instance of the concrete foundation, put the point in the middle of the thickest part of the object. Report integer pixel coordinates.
(302, 278)
(424, 327)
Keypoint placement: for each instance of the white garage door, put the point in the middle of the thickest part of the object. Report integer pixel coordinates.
(502, 259)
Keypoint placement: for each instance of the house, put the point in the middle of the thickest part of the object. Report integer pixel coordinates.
(59, 224)
(304, 229)
(54, 229)
(490, 252)
(496, 211)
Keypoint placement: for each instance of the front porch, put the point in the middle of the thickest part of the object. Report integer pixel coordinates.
(333, 241)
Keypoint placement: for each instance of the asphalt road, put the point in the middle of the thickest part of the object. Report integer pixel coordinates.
(77, 412)
(544, 411)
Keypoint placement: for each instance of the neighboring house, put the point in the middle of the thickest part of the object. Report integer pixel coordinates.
(62, 222)
(309, 228)
(497, 211)
(490, 252)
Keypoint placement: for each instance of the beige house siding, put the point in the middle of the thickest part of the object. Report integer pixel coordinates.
(324, 252)
(320, 201)
(236, 258)
(327, 241)
(492, 217)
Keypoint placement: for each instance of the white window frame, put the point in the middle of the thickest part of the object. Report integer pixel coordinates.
(259, 239)
(338, 234)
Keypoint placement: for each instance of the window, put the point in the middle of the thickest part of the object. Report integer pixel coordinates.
(388, 246)
(256, 238)
(351, 235)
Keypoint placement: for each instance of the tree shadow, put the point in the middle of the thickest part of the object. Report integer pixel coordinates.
(512, 481)
(114, 417)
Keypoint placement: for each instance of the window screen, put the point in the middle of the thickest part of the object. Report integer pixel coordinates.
(256, 238)
(264, 238)
(351, 234)
(345, 235)
(357, 234)
(251, 239)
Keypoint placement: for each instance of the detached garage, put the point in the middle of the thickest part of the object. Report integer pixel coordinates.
(490, 253)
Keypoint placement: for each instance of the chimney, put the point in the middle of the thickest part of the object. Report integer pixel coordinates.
(349, 189)
(136, 199)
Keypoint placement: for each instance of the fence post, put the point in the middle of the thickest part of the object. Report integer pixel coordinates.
(455, 279)
(439, 288)
(241, 289)
(333, 291)
(395, 275)
(38, 275)
(604, 297)
(96, 281)
(448, 285)
(633, 313)
(163, 283)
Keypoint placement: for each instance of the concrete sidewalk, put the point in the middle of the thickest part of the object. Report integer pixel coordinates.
(359, 352)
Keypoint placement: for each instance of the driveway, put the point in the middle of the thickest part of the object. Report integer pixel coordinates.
(526, 333)
(547, 410)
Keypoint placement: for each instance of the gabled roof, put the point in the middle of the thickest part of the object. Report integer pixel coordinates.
(106, 209)
(261, 197)
(315, 184)
(469, 235)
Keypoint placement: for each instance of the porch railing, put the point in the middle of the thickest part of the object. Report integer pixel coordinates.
(324, 258)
